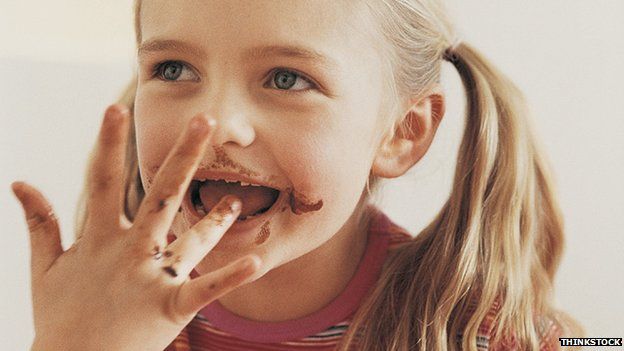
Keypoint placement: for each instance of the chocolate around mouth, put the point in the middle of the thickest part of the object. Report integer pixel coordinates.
(300, 204)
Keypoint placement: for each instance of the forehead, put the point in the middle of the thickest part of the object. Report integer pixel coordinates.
(339, 30)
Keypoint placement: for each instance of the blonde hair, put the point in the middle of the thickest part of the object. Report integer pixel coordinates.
(498, 239)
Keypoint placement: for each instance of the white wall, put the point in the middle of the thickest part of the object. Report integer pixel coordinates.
(62, 62)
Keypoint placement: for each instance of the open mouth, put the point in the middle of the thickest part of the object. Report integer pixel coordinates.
(256, 199)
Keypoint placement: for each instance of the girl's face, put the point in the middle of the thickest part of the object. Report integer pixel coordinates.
(296, 89)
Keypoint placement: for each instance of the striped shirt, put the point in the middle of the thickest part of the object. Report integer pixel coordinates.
(215, 328)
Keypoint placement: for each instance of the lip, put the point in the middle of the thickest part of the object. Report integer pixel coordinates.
(238, 226)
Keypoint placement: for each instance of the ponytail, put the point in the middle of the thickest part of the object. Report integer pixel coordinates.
(480, 276)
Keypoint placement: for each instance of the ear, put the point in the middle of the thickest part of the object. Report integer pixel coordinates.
(412, 138)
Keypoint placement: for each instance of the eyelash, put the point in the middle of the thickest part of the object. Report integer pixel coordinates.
(314, 86)
(157, 69)
(157, 73)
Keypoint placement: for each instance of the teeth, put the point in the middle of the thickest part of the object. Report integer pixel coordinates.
(228, 181)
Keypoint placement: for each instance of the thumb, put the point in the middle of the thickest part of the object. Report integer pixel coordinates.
(45, 238)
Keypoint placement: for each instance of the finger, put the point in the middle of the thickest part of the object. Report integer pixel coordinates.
(189, 249)
(160, 205)
(45, 237)
(196, 293)
(107, 167)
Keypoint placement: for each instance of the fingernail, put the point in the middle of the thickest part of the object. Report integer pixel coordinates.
(199, 124)
(235, 203)
(229, 203)
(123, 110)
(112, 119)
(212, 122)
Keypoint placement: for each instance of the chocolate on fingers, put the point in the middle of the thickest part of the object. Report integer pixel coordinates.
(182, 255)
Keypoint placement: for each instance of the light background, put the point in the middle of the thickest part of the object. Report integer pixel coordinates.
(63, 62)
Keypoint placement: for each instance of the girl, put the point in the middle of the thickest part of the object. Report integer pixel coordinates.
(227, 200)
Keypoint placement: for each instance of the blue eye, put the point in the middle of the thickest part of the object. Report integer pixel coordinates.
(284, 80)
(172, 71)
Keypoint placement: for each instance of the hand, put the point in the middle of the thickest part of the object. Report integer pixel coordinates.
(120, 286)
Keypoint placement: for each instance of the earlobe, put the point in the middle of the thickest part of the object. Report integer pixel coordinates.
(411, 140)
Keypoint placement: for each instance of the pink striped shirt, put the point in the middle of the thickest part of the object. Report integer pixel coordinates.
(216, 328)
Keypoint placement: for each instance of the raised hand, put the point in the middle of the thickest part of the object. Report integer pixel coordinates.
(120, 286)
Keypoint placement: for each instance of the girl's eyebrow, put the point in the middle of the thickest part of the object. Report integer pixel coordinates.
(157, 45)
(255, 53)
(293, 51)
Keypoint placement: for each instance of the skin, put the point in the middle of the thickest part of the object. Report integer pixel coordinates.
(311, 142)
(113, 277)
(126, 277)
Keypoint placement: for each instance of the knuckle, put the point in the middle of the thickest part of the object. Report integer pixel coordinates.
(159, 205)
(233, 279)
(162, 200)
(137, 254)
(201, 236)
(230, 279)
(40, 222)
(211, 291)
(101, 181)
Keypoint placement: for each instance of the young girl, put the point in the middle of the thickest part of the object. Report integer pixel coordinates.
(227, 203)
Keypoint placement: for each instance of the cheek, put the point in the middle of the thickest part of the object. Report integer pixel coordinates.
(156, 132)
(327, 163)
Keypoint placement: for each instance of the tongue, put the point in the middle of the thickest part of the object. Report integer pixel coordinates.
(254, 198)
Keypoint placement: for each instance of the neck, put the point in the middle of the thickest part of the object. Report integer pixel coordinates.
(306, 284)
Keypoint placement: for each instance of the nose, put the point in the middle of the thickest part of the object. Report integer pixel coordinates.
(234, 124)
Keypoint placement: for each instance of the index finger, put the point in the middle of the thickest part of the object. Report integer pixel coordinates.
(160, 205)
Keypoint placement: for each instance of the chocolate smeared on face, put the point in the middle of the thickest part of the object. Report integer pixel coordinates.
(222, 160)
(300, 204)
(264, 233)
